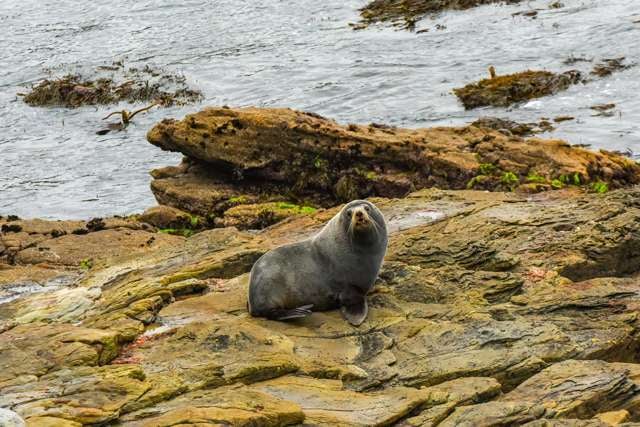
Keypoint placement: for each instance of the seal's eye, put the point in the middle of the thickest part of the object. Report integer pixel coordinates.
(366, 208)
(349, 212)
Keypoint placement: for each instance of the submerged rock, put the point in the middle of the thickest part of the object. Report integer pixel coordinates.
(510, 127)
(490, 309)
(506, 90)
(244, 165)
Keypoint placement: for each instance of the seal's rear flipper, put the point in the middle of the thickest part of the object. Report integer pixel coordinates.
(355, 313)
(288, 314)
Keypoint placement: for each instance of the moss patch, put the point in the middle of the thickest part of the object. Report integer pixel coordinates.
(571, 179)
(533, 177)
(600, 187)
(238, 200)
(557, 184)
(477, 181)
(487, 168)
(296, 209)
(492, 177)
(86, 264)
(510, 179)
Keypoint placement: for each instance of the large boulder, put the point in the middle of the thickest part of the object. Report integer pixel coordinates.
(253, 156)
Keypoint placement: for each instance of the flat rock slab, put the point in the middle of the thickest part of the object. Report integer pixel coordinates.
(582, 389)
(324, 402)
(85, 395)
(490, 309)
(73, 249)
(570, 389)
(228, 405)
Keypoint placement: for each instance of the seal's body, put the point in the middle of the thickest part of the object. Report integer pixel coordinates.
(335, 268)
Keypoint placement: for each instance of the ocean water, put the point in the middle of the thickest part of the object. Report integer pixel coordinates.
(297, 54)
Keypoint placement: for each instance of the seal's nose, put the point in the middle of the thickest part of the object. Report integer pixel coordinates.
(359, 214)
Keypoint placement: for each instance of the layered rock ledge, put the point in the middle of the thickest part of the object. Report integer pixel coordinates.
(252, 167)
(491, 309)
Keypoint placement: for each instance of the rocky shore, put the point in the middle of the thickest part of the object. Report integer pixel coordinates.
(515, 306)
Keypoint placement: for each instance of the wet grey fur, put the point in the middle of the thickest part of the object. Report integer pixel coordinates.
(334, 269)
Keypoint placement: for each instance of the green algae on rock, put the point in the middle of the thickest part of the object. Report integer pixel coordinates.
(406, 12)
(506, 90)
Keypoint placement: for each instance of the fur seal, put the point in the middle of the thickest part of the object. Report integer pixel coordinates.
(335, 268)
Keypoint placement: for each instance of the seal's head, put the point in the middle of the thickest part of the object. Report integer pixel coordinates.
(363, 222)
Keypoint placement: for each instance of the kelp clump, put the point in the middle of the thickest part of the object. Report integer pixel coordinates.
(113, 84)
(502, 91)
(405, 13)
(609, 66)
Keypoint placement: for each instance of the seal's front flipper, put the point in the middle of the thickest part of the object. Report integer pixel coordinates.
(355, 312)
(288, 314)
